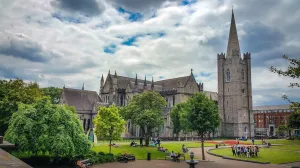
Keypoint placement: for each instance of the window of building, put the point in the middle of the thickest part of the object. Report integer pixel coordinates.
(121, 98)
(167, 102)
(84, 121)
(228, 117)
(245, 128)
(174, 100)
(228, 75)
(88, 124)
(243, 75)
(243, 90)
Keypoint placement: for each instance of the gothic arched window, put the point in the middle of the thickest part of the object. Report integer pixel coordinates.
(173, 100)
(121, 100)
(227, 75)
(243, 75)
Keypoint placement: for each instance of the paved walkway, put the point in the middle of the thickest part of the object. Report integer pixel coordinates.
(213, 162)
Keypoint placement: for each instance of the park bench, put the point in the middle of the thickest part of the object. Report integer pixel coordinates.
(83, 163)
(121, 158)
(167, 156)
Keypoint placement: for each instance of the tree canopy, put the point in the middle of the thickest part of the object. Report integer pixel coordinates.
(175, 117)
(292, 71)
(294, 120)
(109, 124)
(47, 128)
(53, 92)
(12, 93)
(145, 110)
(202, 115)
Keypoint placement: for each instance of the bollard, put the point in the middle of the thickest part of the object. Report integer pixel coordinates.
(149, 156)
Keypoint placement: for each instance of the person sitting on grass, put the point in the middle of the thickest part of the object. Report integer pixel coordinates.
(152, 144)
(184, 149)
(133, 144)
(115, 145)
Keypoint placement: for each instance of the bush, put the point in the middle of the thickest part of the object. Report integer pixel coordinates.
(100, 157)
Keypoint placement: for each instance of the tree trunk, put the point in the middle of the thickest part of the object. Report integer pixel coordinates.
(110, 146)
(178, 134)
(202, 146)
(185, 136)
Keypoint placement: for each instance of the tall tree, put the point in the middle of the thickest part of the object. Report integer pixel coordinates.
(48, 128)
(53, 92)
(146, 110)
(12, 93)
(109, 124)
(294, 120)
(175, 117)
(292, 71)
(202, 114)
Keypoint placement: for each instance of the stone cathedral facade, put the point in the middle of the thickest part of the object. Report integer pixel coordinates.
(235, 89)
(119, 90)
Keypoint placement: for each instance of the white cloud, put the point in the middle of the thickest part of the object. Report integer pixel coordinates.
(193, 35)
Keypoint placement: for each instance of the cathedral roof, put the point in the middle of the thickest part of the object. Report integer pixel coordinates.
(173, 83)
(123, 81)
(83, 100)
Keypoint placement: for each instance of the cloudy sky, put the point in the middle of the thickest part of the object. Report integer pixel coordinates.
(57, 42)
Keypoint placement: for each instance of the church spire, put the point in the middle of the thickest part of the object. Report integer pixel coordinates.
(233, 41)
(82, 86)
(135, 82)
(145, 82)
(152, 83)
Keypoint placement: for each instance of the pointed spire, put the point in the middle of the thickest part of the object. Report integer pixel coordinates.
(233, 41)
(152, 83)
(145, 82)
(135, 82)
(108, 71)
(82, 86)
(102, 78)
(116, 74)
(191, 71)
(64, 86)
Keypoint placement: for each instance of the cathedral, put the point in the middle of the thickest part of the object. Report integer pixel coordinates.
(235, 89)
(234, 97)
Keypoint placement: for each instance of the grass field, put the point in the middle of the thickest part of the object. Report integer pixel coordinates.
(273, 156)
(141, 152)
(276, 141)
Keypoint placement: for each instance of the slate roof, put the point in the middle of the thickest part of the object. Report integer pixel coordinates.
(123, 81)
(83, 100)
(170, 84)
(276, 107)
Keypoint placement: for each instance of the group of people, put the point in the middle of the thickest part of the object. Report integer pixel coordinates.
(162, 149)
(133, 144)
(114, 145)
(246, 151)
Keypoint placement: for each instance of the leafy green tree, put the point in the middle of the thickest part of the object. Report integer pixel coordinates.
(109, 124)
(184, 122)
(145, 110)
(292, 71)
(53, 92)
(202, 114)
(43, 127)
(12, 93)
(282, 129)
(175, 117)
(294, 120)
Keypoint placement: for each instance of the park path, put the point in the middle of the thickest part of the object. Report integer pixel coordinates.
(212, 162)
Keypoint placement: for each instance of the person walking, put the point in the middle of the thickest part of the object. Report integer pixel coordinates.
(252, 141)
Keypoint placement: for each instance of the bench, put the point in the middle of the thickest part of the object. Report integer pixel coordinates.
(167, 156)
(130, 157)
(83, 163)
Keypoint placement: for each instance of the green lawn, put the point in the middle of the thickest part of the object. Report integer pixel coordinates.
(287, 147)
(274, 156)
(141, 152)
(277, 141)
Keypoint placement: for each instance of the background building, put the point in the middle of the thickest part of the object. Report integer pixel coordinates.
(269, 118)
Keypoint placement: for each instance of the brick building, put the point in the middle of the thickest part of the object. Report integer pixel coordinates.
(267, 119)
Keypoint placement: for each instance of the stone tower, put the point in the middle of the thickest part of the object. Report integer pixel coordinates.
(234, 89)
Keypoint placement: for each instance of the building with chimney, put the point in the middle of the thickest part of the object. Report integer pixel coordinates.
(235, 89)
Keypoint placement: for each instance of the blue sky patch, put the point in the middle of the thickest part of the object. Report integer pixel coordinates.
(131, 40)
(161, 77)
(110, 49)
(206, 74)
(67, 18)
(188, 2)
(133, 16)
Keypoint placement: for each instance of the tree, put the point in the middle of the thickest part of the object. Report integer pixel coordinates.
(202, 114)
(175, 117)
(109, 124)
(43, 127)
(292, 71)
(53, 92)
(12, 93)
(294, 120)
(146, 110)
(282, 129)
